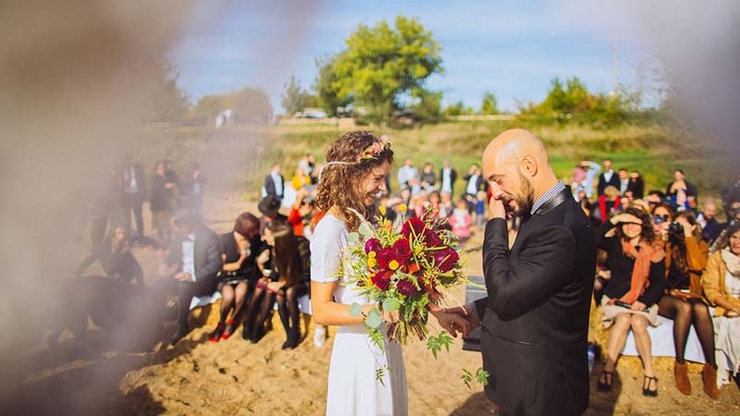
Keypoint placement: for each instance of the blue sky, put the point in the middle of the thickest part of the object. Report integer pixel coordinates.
(512, 48)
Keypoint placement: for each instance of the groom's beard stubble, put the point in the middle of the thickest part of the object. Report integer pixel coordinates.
(523, 200)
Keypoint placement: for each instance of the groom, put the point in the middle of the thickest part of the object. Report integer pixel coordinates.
(535, 318)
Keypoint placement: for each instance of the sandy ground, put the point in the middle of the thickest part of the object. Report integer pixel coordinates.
(236, 377)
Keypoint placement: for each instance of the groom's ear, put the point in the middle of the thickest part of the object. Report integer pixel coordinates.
(528, 166)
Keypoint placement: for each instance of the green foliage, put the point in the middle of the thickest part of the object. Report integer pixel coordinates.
(295, 99)
(489, 104)
(427, 105)
(572, 102)
(457, 109)
(481, 376)
(435, 343)
(379, 64)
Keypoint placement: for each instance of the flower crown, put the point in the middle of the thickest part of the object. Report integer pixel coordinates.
(372, 151)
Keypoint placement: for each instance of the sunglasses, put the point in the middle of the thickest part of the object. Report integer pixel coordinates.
(660, 218)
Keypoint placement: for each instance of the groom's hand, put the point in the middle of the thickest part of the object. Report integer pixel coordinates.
(453, 320)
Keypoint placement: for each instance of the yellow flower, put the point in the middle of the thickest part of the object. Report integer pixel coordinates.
(381, 210)
(403, 207)
(393, 265)
(372, 254)
(372, 262)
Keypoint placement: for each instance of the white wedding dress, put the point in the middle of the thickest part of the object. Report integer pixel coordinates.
(353, 387)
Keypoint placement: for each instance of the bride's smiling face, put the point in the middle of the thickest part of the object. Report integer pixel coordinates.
(373, 183)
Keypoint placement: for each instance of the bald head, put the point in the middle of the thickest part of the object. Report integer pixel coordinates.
(520, 153)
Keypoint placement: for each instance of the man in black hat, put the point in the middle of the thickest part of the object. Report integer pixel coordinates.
(269, 206)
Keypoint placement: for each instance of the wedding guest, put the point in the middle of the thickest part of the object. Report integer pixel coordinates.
(733, 217)
(624, 180)
(460, 221)
(161, 203)
(631, 294)
(406, 173)
(474, 183)
(480, 208)
(446, 207)
(114, 255)
(291, 259)
(435, 205)
(539, 290)
(274, 184)
(608, 203)
(577, 178)
(592, 170)
(447, 177)
(721, 284)
(193, 261)
(259, 310)
(350, 181)
(191, 191)
(607, 178)
(636, 185)
(428, 180)
(686, 256)
(133, 192)
(269, 207)
(301, 211)
(239, 274)
(707, 219)
(300, 179)
(682, 192)
(308, 165)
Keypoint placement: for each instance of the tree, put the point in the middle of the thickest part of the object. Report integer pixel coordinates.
(158, 76)
(252, 106)
(381, 63)
(326, 92)
(489, 104)
(295, 99)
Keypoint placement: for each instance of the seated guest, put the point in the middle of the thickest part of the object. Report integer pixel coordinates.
(291, 266)
(193, 261)
(115, 257)
(686, 256)
(239, 249)
(269, 206)
(721, 284)
(631, 294)
(707, 219)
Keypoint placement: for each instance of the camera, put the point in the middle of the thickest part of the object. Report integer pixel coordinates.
(675, 229)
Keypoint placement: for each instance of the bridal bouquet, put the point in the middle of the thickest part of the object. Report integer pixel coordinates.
(404, 267)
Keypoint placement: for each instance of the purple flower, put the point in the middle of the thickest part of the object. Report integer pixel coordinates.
(373, 244)
(445, 259)
(406, 287)
(414, 224)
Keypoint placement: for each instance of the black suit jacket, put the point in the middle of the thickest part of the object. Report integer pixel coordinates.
(480, 183)
(603, 183)
(535, 318)
(270, 186)
(206, 255)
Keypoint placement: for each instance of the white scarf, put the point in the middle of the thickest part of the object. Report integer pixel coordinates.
(731, 261)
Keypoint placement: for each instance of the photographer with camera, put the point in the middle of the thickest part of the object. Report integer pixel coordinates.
(631, 294)
(682, 302)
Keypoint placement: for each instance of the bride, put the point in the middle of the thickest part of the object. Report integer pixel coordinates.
(363, 378)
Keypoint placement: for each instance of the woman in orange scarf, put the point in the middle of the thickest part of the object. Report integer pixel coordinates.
(632, 293)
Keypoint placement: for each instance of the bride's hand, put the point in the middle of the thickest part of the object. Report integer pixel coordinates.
(391, 317)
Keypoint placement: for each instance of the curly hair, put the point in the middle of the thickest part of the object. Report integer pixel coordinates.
(340, 182)
(648, 233)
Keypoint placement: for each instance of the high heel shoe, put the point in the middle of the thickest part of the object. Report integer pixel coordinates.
(228, 330)
(646, 391)
(605, 385)
(216, 334)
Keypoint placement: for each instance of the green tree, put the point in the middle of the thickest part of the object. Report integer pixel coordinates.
(292, 97)
(427, 105)
(327, 93)
(252, 106)
(489, 104)
(381, 63)
(455, 109)
(164, 101)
